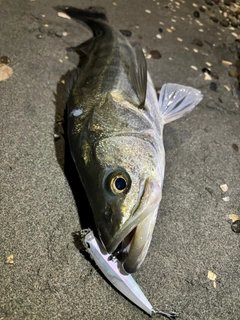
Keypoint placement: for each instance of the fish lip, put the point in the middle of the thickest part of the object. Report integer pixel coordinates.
(143, 209)
(120, 235)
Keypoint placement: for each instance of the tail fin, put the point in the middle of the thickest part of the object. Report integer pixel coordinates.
(80, 14)
(176, 100)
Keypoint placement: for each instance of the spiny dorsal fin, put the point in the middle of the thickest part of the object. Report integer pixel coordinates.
(138, 76)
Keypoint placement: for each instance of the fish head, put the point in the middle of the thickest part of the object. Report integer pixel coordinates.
(124, 188)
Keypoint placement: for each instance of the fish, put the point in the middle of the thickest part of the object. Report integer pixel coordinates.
(115, 127)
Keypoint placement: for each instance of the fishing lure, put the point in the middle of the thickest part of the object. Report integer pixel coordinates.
(112, 269)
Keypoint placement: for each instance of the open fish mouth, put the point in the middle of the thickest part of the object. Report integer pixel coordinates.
(134, 247)
(130, 244)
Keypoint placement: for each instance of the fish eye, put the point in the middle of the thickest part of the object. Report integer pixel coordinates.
(119, 183)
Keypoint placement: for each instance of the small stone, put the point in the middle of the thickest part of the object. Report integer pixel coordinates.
(224, 23)
(213, 86)
(196, 14)
(39, 36)
(202, 9)
(5, 60)
(214, 19)
(64, 15)
(5, 71)
(158, 36)
(209, 2)
(234, 23)
(10, 259)
(64, 33)
(56, 137)
(58, 34)
(207, 77)
(235, 147)
(233, 73)
(160, 30)
(197, 42)
(236, 226)
(126, 33)
(234, 217)
(226, 63)
(206, 70)
(222, 7)
(155, 54)
(226, 199)
(211, 275)
(147, 11)
(227, 2)
(224, 187)
(227, 88)
(194, 68)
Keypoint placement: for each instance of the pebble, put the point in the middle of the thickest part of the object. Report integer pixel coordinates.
(213, 86)
(224, 23)
(214, 19)
(235, 147)
(202, 9)
(227, 2)
(194, 68)
(209, 2)
(233, 73)
(226, 199)
(234, 23)
(126, 33)
(206, 70)
(236, 226)
(160, 30)
(207, 77)
(56, 137)
(196, 14)
(147, 11)
(159, 36)
(224, 187)
(197, 42)
(63, 15)
(5, 60)
(5, 71)
(226, 63)
(155, 54)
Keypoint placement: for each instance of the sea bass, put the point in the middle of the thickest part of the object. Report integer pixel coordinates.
(115, 133)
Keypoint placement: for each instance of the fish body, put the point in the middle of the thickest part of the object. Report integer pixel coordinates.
(115, 128)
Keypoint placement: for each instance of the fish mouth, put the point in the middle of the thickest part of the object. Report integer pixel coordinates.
(130, 244)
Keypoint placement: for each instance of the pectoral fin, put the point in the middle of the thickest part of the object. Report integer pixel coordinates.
(138, 76)
(176, 100)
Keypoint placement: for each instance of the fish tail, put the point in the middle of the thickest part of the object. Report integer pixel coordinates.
(83, 15)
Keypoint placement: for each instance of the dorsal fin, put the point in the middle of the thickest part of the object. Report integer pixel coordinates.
(138, 76)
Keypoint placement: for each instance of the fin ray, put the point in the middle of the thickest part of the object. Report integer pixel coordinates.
(138, 76)
(176, 100)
